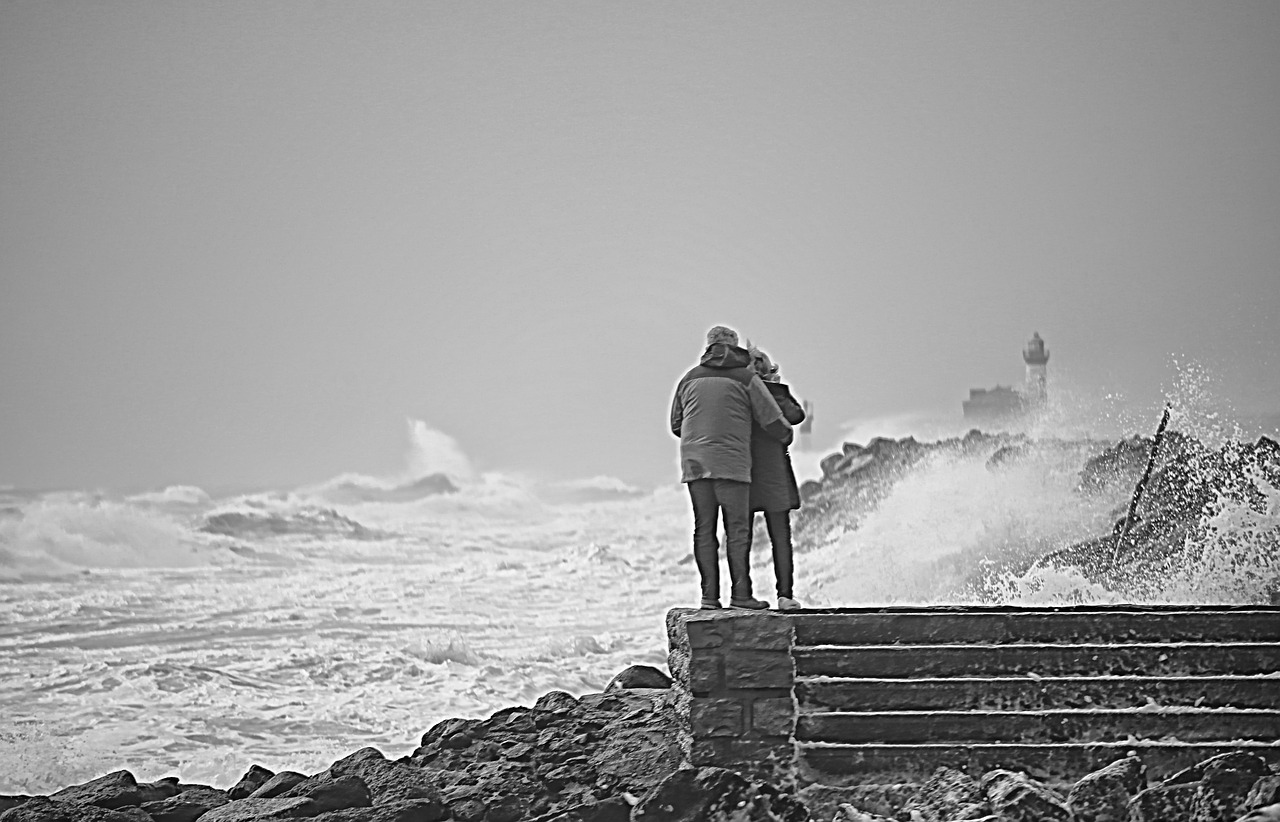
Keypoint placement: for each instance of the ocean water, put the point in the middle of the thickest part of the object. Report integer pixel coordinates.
(175, 633)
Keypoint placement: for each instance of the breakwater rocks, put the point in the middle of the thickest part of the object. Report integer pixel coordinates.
(1195, 498)
(614, 757)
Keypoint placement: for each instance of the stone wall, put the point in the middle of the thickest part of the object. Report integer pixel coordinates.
(733, 678)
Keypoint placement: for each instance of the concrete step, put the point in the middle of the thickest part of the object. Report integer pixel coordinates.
(1033, 727)
(836, 764)
(998, 625)
(1049, 660)
(1039, 693)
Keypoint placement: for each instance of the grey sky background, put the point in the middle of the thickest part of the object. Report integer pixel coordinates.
(242, 243)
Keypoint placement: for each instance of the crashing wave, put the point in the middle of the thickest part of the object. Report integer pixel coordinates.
(305, 520)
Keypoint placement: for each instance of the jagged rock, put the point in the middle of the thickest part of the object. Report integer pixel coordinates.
(639, 676)
(7, 802)
(250, 782)
(448, 728)
(46, 809)
(390, 782)
(848, 813)
(1103, 796)
(411, 810)
(187, 804)
(278, 784)
(557, 702)
(329, 792)
(1270, 813)
(251, 810)
(1265, 791)
(948, 795)
(1016, 797)
(1162, 803)
(713, 794)
(614, 809)
(114, 790)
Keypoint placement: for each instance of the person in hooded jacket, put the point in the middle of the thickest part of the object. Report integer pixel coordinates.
(712, 413)
(773, 480)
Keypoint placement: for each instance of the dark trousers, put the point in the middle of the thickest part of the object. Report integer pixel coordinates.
(779, 525)
(711, 497)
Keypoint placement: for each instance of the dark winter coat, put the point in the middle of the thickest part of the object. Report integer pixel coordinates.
(714, 408)
(773, 482)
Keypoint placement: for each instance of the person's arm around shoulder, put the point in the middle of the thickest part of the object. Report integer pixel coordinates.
(765, 411)
(790, 406)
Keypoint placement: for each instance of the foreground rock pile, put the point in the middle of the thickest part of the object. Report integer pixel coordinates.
(614, 757)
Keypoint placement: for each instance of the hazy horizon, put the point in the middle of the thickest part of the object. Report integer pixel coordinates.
(241, 245)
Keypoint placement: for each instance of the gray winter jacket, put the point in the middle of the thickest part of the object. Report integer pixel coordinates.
(714, 406)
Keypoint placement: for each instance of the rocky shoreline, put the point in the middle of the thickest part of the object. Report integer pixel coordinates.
(614, 756)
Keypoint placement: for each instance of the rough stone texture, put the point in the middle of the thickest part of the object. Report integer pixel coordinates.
(1162, 803)
(278, 784)
(45, 809)
(774, 716)
(7, 802)
(848, 813)
(948, 795)
(389, 782)
(1220, 796)
(1270, 813)
(712, 794)
(114, 790)
(249, 810)
(1016, 797)
(716, 717)
(329, 792)
(187, 804)
(1266, 791)
(1103, 796)
(412, 810)
(250, 782)
(557, 702)
(639, 676)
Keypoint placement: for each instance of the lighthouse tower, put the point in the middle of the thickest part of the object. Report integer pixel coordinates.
(1036, 356)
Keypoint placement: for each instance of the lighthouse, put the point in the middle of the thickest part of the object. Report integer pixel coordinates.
(1036, 356)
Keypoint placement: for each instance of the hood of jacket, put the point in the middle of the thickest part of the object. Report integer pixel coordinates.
(723, 355)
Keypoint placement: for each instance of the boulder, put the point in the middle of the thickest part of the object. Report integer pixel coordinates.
(329, 792)
(948, 795)
(114, 790)
(1266, 791)
(557, 702)
(251, 810)
(715, 793)
(1270, 813)
(1016, 797)
(390, 782)
(1103, 796)
(639, 676)
(1162, 803)
(277, 785)
(412, 810)
(250, 782)
(46, 809)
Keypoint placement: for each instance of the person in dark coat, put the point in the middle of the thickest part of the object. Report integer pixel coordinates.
(773, 481)
(714, 408)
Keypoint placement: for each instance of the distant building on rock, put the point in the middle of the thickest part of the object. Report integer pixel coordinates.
(1005, 405)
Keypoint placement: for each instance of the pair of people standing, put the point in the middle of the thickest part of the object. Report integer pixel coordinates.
(733, 416)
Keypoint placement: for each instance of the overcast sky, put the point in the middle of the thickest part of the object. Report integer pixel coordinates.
(243, 243)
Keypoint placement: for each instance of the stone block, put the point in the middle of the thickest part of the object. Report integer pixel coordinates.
(760, 759)
(706, 672)
(759, 669)
(765, 632)
(709, 633)
(716, 717)
(774, 716)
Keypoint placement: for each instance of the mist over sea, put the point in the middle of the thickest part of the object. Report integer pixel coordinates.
(177, 633)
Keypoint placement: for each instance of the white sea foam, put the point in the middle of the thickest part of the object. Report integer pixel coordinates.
(195, 654)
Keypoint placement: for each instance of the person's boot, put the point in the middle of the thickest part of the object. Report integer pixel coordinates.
(710, 604)
(788, 604)
(748, 604)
